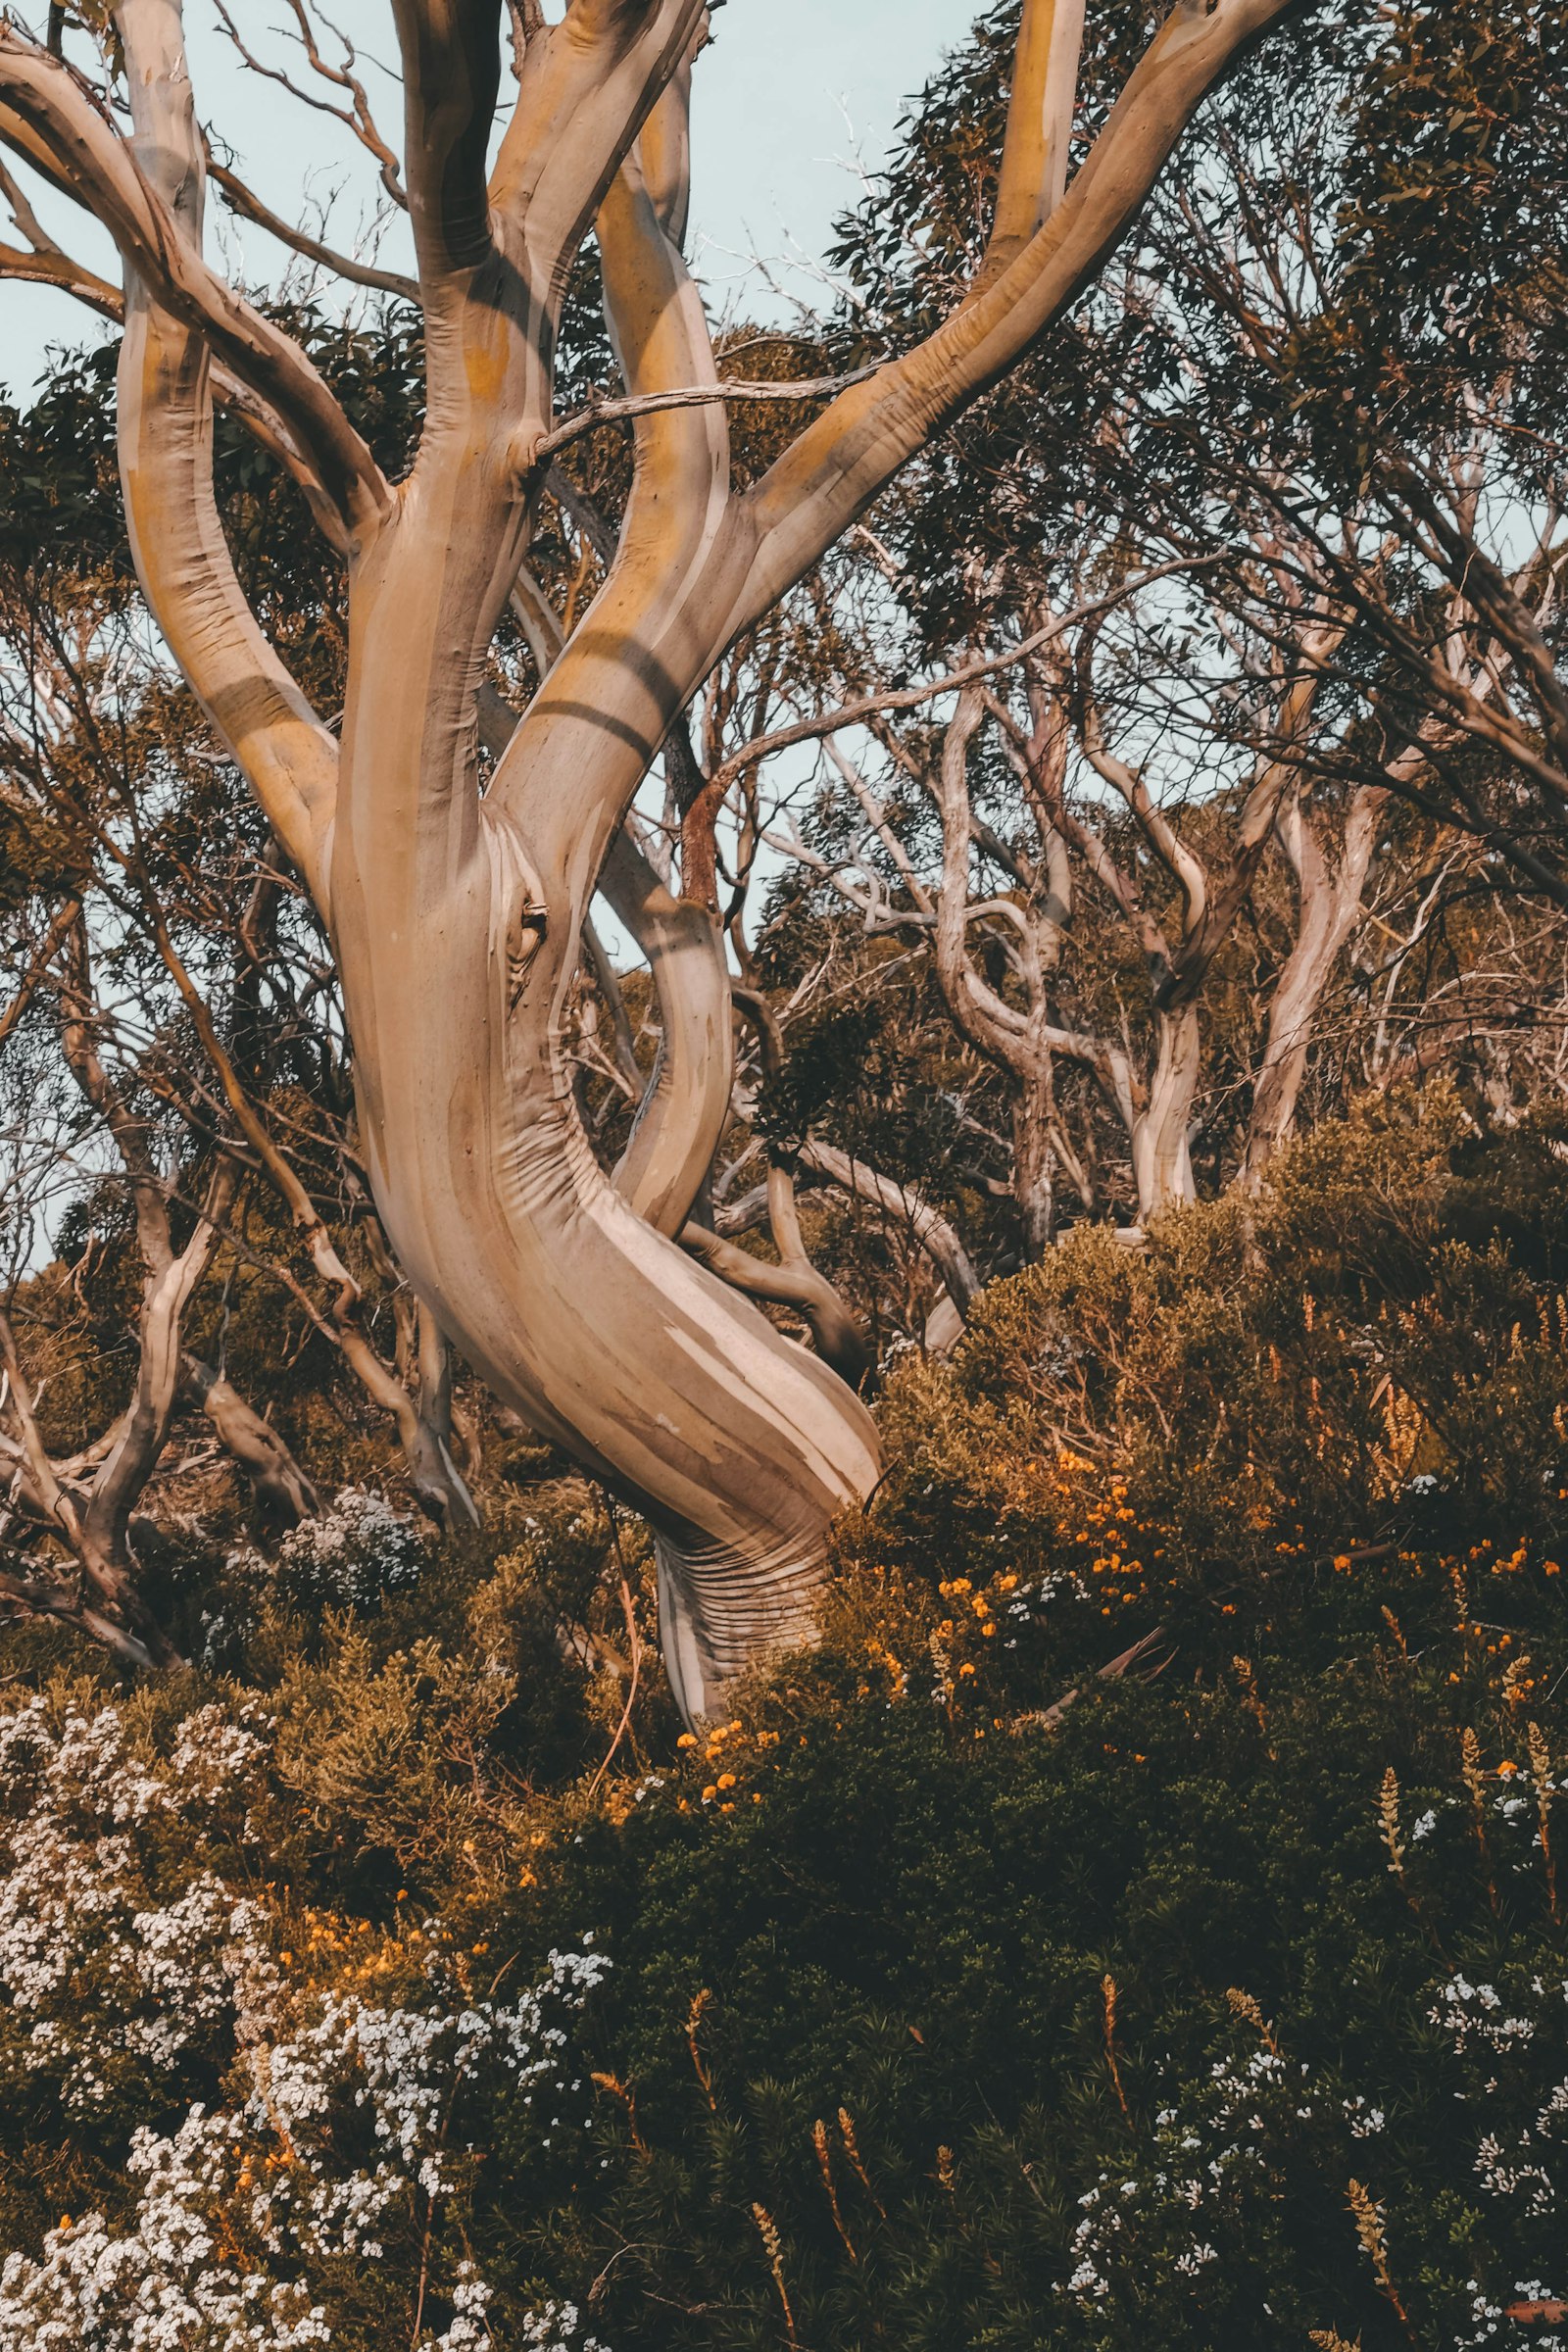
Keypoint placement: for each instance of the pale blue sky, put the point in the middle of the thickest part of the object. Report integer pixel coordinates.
(789, 90)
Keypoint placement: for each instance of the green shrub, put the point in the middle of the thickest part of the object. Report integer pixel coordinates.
(1139, 1927)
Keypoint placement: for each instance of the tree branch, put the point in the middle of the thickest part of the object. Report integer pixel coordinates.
(87, 150)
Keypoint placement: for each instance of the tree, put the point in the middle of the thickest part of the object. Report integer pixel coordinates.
(456, 911)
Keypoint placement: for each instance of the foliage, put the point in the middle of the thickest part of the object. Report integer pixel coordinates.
(958, 1991)
(1141, 1925)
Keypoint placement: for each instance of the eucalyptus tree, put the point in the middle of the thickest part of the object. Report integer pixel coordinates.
(455, 889)
(1327, 369)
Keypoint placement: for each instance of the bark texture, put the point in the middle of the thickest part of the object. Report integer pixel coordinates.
(457, 913)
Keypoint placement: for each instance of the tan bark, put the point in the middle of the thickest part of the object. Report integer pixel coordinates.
(686, 1100)
(456, 918)
(281, 1492)
(1162, 1160)
(1329, 891)
(935, 1237)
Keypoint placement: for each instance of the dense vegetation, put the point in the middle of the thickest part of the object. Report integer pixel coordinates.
(1141, 1924)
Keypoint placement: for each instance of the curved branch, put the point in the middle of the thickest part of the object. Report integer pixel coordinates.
(687, 396)
(685, 1109)
(139, 211)
(795, 1284)
(935, 1235)
(821, 485)
(166, 463)
(910, 698)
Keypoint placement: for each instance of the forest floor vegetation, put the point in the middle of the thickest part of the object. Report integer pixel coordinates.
(1143, 1922)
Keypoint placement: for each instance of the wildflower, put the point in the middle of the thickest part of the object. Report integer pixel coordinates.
(768, 2228)
(1541, 1774)
(1389, 1815)
(1368, 2218)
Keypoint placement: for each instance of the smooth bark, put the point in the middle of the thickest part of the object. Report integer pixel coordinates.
(455, 914)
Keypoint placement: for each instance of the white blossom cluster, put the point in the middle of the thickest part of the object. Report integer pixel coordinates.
(345, 2127)
(1477, 2013)
(554, 2330)
(1031, 1600)
(344, 2122)
(105, 1969)
(1516, 1805)
(350, 1558)
(1493, 2326)
(1220, 2147)
(1520, 2160)
(1199, 2162)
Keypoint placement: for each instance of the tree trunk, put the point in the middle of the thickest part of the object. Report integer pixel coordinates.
(281, 1494)
(456, 914)
(1162, 1163)
(1034, 1161)
(1330, 906)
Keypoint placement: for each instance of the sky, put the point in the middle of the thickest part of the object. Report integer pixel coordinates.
(791, 92)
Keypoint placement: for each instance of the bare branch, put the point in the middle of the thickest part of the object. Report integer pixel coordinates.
(85, 149)
(357, 115)
(250, 206)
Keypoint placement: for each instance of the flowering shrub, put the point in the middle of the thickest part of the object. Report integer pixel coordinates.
(1232, 2011)
(345, 2130)
(1140, 1927)
(114, 1957)
(355, 1556)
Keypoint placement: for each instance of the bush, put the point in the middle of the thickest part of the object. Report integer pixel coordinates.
(1139, 1927)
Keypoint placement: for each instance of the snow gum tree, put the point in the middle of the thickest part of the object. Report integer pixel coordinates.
(455, 889)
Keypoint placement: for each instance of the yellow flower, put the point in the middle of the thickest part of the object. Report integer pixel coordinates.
(727, 1780)
(687, 1740)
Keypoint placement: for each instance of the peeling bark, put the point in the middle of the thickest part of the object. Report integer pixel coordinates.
(1162, 1160)
(1329, 900)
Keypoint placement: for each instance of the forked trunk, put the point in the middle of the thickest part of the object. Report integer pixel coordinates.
(456, 913)
(737, 1446)
(1330, 906)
